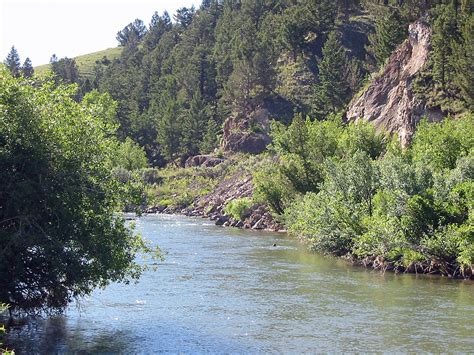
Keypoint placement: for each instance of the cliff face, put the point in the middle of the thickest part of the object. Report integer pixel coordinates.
(389, 101)
(247, 131)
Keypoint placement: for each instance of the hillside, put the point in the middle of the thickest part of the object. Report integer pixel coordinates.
(85, 63)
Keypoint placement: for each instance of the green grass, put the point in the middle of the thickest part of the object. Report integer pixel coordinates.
(86, 62)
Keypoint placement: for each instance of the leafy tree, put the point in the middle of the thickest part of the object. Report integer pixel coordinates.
(12, 61)
(159, 25)
(168, 136)
(129, 156)
(60, 236)
(293, 30)
(27, 68)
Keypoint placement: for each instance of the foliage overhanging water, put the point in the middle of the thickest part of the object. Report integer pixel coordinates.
(225, 290)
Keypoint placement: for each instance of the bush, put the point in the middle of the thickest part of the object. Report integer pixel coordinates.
(237, 209)
(130, 156)
(150, 176)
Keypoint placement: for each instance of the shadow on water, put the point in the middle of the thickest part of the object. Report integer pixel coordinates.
(54, 335)
(232, 291)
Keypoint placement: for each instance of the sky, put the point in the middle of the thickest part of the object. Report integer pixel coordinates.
(68, 28)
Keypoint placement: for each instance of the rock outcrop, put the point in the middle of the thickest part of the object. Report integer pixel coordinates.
(389, 101)
(212, 205)
(203, 160)
(247, 131)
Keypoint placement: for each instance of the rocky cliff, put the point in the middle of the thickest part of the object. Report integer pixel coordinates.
(247, 130)
(389, 101)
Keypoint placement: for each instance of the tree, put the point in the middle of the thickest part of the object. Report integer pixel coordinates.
(333, 88)
(464, 62)
(65, 69)
(158, 26)
(193, 126)
(129, 156)
(27, 68)
(168, 132)
(445, 33)
(184, 16)
(293, 30)
(211, 137)
(134, 31)
(60, 236)
(12, 61)
(389, 32)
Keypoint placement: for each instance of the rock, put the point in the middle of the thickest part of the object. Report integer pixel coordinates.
(259, 225)
(202, 160)
(247, 130)
(239, 224)
(222, 220)
(389, 101)
(247, 142)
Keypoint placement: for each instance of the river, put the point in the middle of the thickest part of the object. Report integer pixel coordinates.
(231, 291)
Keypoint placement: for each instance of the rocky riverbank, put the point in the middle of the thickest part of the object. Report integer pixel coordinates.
(211, 205)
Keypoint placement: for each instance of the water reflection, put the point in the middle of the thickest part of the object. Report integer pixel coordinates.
(224, 290)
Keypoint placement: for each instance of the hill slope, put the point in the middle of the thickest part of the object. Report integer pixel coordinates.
(86, 62)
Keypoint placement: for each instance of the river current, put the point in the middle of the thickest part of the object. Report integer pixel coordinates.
(223, 290)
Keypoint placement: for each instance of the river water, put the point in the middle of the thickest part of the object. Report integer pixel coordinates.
(225, 290)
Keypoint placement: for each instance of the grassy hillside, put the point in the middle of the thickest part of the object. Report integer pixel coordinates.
(86, 62)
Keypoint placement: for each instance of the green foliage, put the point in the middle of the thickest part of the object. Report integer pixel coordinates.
(12, 62)
(445, 33)
(333, 88)
(272, 188)
(130, 156)
(439, 145)
(464, 63)
(361, 136)
(27, 68)
(389, 32)
(237, 209)
(412, 208)
(210, 140)
(60, 236)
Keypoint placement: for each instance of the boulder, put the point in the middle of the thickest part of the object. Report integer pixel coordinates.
(202, 160)
(222, 220)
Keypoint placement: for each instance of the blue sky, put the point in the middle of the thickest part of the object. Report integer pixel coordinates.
(39, 28)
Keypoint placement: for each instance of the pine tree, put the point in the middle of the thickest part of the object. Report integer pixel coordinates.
(333, 88)
(464, 62)
(445, 34)
(194, 126)
(27, 68)
(211, 137)
(168, 132)
(13, 62)
(159, 25)
(389, 32)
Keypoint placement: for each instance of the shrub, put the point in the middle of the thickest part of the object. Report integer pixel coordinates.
(237, 209)
(150, 176)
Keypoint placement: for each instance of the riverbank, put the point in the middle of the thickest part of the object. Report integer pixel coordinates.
(227, 290)
(224, 193)
(208, 191)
